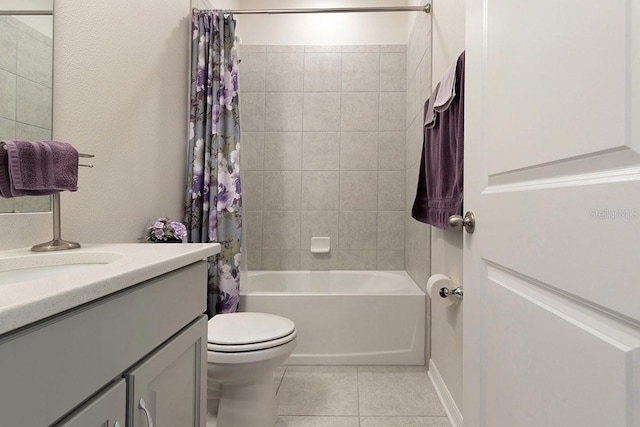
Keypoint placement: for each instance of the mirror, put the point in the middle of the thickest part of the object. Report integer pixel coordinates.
(26, 70)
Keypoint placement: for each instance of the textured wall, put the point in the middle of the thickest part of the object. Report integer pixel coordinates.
(418, 90)
(120, 92)
(323, 155)
(446, 246)
(434, 44)
(120, 82)
(322, 28)
(417, 234)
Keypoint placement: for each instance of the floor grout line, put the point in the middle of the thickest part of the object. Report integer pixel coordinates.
(299, 413)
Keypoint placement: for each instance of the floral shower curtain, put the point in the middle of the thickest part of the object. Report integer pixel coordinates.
(214, 197)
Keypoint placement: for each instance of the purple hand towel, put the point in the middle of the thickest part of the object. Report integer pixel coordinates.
(42, 167)
(439, 193)
(5, 180)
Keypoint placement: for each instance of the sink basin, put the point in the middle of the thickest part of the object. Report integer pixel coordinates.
(40, 266)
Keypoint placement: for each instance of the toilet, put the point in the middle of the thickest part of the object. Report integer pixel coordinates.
(243, 351)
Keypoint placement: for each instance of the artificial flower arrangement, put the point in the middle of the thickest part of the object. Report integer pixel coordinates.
(164, 230)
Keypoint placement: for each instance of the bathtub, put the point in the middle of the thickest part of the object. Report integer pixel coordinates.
(344, 317)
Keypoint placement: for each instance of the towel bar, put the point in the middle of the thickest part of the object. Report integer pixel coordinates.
(57, 243)
(89, 156)
(79, 154)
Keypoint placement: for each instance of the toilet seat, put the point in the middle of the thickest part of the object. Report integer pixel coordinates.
(243, 332)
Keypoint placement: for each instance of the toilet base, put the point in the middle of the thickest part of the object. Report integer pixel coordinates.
(246, 405)
(240, 389)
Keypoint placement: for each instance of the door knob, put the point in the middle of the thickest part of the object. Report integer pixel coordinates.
(456, 222)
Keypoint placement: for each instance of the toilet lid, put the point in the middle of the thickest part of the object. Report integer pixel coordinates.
(243, 329)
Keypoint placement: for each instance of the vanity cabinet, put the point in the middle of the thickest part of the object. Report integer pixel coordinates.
(165, 388)
(108, 409)
(93, 365)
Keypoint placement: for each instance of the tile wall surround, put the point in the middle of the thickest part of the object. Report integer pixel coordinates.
(323, 154)
(25, 94)
(417, 234)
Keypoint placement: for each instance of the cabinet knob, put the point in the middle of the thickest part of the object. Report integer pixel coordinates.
(143, 406)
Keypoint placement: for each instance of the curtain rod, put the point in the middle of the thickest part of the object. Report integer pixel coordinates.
(426, 9)
(26, 12)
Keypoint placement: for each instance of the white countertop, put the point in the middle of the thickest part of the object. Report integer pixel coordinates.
(28, 301)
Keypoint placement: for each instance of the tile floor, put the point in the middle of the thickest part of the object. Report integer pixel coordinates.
(357, 396)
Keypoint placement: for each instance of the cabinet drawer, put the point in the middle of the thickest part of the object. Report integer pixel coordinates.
(49, 369)
(108, 409)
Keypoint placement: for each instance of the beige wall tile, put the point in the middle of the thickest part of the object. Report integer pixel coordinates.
(322, 72)
(283, 112)
(282, 151)
(284, 72)
(320, 190)
(282, 190)
(321, 151)
(360, 72)
(359, 151)
(358, 190)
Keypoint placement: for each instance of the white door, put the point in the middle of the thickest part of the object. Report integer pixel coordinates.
(552, 172)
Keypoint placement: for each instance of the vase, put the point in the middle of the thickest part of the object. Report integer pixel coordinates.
(169, 241)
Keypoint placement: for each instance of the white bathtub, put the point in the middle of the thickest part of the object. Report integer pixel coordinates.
(344, 317)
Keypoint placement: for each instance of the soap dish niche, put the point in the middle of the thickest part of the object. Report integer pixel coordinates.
(320, 245)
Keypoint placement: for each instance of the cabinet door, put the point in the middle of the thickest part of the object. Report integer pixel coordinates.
(106, 410)
(169, 387)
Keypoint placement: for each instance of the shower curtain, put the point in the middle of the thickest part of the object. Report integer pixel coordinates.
(214, 198)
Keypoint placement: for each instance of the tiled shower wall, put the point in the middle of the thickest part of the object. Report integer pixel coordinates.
(25, 94)
(417, 234)
(323, 154)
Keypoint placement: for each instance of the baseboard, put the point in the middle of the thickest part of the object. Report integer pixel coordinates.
(450, 407)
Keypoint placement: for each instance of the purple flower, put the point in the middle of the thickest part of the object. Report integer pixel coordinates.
(179, 230)
(164, 229)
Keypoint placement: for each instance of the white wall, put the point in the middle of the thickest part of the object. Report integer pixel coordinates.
(215, 4)
(417, 240)
(448, 30)
(120, 81)
(448, 34)
(322, 29)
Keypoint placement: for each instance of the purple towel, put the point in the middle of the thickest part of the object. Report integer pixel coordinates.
(5, 180)
(439, 193)
(39, 168)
